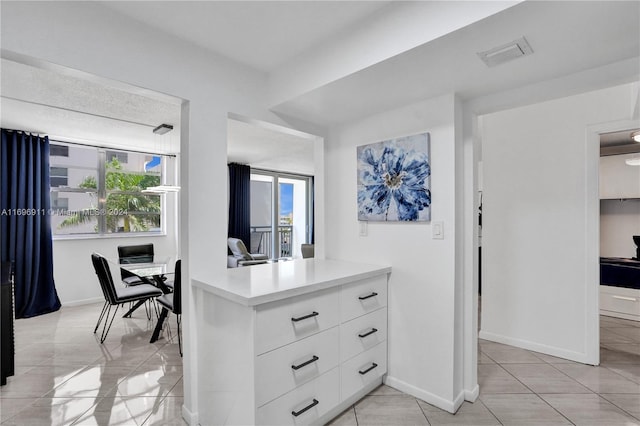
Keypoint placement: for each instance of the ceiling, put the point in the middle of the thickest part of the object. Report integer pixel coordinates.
(269, 149)
(261, 34)
(615, 143)
(566, 36)
(82, 109)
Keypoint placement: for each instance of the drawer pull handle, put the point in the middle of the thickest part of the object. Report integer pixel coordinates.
(308, 407)
(311, 361)
(374, 294)
(373, 365)
(311, 315)
(630, 299)
(368, 333)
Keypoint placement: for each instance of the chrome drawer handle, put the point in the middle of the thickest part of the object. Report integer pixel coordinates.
(311, 315)
(373, 365)
(630, 299)
(312, 360)
(308, 407)
(373, 330)
(374, 294)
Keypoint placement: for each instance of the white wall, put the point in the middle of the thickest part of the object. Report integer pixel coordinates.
(535, 257)
(75, 278)
(422, 335)
(619, 222)
(88, 37)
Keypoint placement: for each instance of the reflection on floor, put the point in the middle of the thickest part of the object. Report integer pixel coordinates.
(64, 376)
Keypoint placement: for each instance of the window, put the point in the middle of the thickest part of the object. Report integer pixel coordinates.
(290, 204)
(58, 150)
(94, 193)
(121, 157)
(58, 176)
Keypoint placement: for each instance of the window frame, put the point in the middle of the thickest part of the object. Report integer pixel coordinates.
(101, 194)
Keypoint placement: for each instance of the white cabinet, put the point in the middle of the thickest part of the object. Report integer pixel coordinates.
(617, 179)
(620, 302)
(299, 359)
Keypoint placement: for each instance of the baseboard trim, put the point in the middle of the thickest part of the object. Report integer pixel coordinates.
(450, 406)
(188, 416)
(472, 395)
(536, 347)
(84, 302)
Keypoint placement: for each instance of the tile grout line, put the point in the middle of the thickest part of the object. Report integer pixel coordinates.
(422, 411)
(534, 393)
(620, 408)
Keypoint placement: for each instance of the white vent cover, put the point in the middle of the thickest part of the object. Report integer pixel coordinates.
(506, 52)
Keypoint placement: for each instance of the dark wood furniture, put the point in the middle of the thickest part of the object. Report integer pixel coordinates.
(7, 346)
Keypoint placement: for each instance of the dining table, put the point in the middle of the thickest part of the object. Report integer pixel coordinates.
(156, 273)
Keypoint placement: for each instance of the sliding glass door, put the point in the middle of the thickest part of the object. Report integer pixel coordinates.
(281, 213)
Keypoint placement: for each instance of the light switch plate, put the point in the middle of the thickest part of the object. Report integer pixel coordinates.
(363, 228)
(437, 230)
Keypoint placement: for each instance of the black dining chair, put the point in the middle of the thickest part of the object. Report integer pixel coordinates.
(171, 302)
(114, 295)
(141, 253)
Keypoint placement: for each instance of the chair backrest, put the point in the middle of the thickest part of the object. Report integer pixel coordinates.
(105, 279)
(238, 249)
(177, 289)
(308, 250)
(142, 253)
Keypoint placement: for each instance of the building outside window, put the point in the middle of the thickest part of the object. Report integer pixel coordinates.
(99, 192)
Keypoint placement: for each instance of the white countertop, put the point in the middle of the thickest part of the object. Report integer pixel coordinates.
(258, 284)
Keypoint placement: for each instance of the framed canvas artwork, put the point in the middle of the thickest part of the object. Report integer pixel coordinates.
(394, 180)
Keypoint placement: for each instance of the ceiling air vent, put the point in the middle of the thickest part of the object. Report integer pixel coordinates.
(506, 52)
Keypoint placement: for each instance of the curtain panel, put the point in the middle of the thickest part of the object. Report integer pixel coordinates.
(240, 202)
(25, 222)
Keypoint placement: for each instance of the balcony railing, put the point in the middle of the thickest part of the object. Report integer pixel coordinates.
(261, 240)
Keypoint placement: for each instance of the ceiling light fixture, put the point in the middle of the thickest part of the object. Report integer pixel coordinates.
(632, 161)
(636, 136)
(163, 129)
(161, 189)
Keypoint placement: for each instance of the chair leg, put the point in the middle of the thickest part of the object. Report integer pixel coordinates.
(136, 306)
(107, 323)
(104, 309)
(179, 322)
(147, 309)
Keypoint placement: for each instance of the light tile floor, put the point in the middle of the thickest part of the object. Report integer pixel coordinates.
(64, 376)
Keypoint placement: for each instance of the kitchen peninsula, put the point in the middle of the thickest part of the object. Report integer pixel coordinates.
(293, 342)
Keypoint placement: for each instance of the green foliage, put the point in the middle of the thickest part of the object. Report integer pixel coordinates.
(125, 208)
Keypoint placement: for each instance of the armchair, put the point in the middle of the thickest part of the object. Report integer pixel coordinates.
(240, 256)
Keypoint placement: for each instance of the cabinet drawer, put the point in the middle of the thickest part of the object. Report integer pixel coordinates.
(318, 396)
(311, 357)
(363, 369)
(363, 333)
(363, 296)
(622, 300)
(286, 321)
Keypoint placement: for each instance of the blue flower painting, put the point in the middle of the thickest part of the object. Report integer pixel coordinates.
(394, 180)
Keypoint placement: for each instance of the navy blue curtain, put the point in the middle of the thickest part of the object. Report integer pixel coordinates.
(240, 203)
(25, 224)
